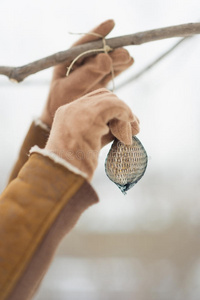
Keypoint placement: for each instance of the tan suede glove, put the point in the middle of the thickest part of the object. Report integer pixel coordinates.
(87, 75)
(81, 128)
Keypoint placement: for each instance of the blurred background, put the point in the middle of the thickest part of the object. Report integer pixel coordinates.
(144, 245)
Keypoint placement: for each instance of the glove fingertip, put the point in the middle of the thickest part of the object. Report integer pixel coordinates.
(127, 135)
(135, 128)
(122, 131)
(107, 26)
(104, 28)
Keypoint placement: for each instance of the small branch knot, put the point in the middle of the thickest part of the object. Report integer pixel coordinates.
(14, 80)
(107, 48)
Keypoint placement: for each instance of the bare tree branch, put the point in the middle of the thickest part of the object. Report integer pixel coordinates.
(152, 64)
(19, 73)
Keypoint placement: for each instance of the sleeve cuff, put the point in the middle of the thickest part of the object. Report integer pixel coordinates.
(38, 122)
(57, 159)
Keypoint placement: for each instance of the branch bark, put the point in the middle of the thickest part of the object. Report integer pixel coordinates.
(18, 74)
(152, 64)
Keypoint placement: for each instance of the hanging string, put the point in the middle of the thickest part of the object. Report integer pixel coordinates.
(106, 48)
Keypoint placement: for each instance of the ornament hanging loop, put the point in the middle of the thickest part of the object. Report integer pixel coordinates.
(106, 48)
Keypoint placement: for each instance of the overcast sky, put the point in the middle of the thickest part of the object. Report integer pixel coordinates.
(166, 99)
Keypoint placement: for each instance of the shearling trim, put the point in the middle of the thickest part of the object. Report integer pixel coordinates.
(57, 159)
(44, 126)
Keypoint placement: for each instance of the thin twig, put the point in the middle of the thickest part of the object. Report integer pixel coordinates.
(19, 73)
(151, 65)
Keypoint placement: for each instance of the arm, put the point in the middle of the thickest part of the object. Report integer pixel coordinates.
(36, 212)
(52, 189)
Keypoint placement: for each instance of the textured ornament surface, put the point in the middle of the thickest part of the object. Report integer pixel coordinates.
(126, 164)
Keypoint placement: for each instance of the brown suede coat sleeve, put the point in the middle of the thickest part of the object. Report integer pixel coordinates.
(36, 135)
(37, 209)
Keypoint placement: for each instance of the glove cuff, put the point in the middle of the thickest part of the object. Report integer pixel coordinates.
(57, 159)
(42, 125)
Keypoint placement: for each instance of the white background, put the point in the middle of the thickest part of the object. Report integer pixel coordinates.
(166, 100)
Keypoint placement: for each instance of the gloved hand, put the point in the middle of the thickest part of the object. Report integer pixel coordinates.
(80, 129)
(87, 75)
